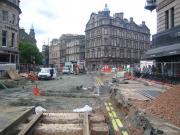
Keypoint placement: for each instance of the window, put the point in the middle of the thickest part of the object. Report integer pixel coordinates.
(13, 19)
(99, 52)
(4, 38)
(167, 19)
(121, 53)
(172, 17)
(105, 31)
(113, 52)
(129, 54)
(12, 39)
(5, 15)
(105, 41)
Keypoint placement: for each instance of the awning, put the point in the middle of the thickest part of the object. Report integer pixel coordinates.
(163, 51)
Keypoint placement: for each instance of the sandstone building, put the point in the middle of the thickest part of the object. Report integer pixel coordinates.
(54, 52)
(75, 50)
(45, 54)
(9, 29)
(114, 40)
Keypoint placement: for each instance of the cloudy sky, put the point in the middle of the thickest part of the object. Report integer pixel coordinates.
(51, 18)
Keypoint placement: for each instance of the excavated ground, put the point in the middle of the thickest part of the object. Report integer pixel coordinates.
(140, 115)
(144, 116)
(67, 93)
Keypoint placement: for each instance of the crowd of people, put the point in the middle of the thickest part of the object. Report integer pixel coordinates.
(157, 73)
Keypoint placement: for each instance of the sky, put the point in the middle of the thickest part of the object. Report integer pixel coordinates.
(52, 18)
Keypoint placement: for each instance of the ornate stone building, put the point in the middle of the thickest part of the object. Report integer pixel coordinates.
(9, 29)
(75, 50)
(25, 37)
(45, 54)
(69, 47)
(54, 52)
(113, 40)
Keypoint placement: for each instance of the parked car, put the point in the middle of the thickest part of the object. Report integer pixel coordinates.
(66, 70)
(45, 73)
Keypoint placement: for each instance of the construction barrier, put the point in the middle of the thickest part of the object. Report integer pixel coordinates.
(106, 69)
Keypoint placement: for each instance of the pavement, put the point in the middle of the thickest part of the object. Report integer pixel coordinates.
(138, 90)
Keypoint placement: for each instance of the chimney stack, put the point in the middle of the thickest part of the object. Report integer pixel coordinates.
(131, 19)
(143, 23)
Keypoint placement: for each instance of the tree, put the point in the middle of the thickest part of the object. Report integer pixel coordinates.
(29, 53)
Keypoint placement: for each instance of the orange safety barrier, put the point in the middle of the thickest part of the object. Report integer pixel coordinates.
(32, 77)
(130, 77)
(106, 69)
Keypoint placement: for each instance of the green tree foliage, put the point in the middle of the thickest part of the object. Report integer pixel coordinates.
(29, 53)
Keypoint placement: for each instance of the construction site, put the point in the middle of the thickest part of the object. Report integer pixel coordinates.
(95, 103)
(85, 69)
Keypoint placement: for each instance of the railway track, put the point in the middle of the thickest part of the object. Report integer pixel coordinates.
(54, 123)
(147, 95)
(22, 124)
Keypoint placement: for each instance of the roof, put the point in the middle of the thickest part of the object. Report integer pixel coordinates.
(163, 51)
(101, 19)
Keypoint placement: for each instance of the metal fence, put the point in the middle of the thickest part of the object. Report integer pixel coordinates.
(166, 72)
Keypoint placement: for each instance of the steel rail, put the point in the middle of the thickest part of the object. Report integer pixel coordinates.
(20, 119)
(30, 125)
(146, 95)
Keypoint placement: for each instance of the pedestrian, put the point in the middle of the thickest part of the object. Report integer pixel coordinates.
(51, 72)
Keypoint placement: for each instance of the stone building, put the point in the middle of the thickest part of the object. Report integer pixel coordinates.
(54, 53)
(9, 29)
(166, 43)
(45, 54)
(25, 37)
(75, 50)
(63, 41)
(69, 47)
(113, 40)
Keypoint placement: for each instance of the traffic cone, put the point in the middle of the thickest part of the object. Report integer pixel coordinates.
(36, 91)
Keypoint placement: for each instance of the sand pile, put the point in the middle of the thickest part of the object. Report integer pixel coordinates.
(167, 106)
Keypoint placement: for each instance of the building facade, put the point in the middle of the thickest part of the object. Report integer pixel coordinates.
(9, 31)
(75, 50)
(63, 41)
(45, 54)
(25, 37)
(54, 53)
(166, 43)
(68, 48)
(113, 40)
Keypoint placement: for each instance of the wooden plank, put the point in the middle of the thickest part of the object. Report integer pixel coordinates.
(86, 124)
(13, 74)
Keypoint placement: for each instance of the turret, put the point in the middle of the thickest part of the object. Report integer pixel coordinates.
(32, 32)
(106, 11)
(150, 5)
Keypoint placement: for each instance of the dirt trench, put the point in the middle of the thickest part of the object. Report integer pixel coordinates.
(137, 121)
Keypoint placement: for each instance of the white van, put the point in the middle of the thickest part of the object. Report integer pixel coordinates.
(45, 73)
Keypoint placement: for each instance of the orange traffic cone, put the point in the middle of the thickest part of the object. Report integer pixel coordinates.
(36, 91)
